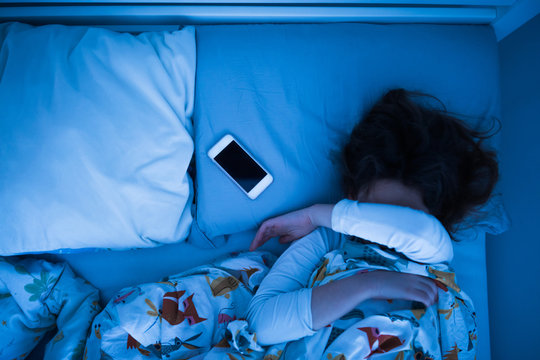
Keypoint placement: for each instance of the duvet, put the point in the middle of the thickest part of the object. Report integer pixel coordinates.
(390, 329)
(37, 296)
(199, 314)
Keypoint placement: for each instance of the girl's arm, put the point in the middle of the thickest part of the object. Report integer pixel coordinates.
(281, 309)
(414, 233)
(331, 301)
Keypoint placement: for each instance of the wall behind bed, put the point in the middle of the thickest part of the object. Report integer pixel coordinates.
(512, 258)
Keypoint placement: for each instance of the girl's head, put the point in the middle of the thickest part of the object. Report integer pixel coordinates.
(430, 152)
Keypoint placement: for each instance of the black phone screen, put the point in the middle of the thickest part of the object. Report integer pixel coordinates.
(240, 166)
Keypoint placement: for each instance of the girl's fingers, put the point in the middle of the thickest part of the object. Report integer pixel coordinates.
(427, 283)
(429, 287)
(422, 289)
(290, 226)
(429, 293)
(254, 244)
(267, 230)
(259, 238)
(432, 287)
(420, 295)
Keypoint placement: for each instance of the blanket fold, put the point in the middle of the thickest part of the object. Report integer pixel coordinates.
(197, 314)
(37, 296)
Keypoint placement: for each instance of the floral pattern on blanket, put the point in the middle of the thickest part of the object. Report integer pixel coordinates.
(195, 314)
(36, 296)
(390, 329)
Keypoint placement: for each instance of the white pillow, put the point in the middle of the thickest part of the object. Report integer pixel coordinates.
(95, 137)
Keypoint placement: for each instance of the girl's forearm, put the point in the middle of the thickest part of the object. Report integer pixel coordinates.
(321, 215)
(331, 301)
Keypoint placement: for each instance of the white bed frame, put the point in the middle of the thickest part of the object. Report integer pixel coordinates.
(135, 15)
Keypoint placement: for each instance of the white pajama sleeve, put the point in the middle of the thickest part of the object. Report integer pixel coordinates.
(414, 233)
(281, 309)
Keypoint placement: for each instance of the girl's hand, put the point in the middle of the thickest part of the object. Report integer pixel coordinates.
(393, 285)
(288, 227)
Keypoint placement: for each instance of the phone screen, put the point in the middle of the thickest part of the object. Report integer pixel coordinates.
(240, 166)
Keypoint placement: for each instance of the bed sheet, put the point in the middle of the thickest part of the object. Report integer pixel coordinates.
(291, 95)
(110, 271)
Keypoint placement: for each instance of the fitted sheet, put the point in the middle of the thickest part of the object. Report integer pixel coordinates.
(291, 94)
(110, 271)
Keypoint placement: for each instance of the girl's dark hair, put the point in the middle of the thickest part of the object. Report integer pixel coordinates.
(424, 148)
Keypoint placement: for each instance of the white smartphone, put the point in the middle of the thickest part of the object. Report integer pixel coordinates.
(240, 166)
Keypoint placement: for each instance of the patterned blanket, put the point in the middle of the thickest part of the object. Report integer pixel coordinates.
(197, 314)
(37, 296)
(389, 329)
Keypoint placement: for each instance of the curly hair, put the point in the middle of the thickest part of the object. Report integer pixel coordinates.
(424, 148)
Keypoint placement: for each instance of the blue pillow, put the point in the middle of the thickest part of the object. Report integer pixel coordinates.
(291, 94)
(95, 137)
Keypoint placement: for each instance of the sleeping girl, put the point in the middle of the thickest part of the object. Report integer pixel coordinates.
(411, 175)
(377, 283)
